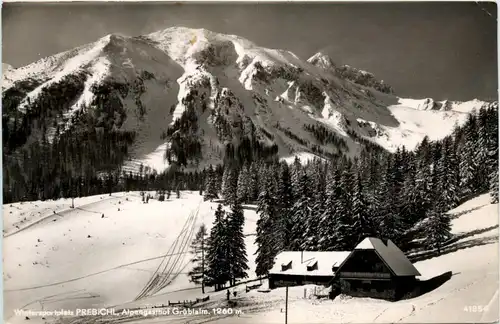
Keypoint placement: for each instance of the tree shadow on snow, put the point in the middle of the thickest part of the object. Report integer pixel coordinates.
(450, 248)
(470, 210)
(461, 236)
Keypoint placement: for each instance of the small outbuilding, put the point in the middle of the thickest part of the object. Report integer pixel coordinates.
(296, 268)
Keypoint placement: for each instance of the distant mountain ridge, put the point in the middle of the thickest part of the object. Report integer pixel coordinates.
(190, 95)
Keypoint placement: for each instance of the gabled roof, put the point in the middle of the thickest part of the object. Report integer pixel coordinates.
(393, 257)
(326, 261)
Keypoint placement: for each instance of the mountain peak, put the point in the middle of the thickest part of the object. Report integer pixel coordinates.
(321, 60)
(230, 89)
(6, 67)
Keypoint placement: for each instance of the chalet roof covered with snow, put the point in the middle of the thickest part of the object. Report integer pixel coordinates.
(310, 263)
(395, 259)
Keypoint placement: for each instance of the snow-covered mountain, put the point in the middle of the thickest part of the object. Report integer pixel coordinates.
(6, 67)
(229, 89)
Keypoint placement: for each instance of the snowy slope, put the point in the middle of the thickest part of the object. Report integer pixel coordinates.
(66, 268)
(6, 69)
(269, 93)
(53, 264)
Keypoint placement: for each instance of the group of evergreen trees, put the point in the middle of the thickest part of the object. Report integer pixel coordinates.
(333, 205)
(225, 260)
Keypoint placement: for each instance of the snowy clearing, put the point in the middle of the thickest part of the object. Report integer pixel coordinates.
(84, 260)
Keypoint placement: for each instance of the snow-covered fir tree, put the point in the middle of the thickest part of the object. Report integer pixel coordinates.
(230, 185)
(198, 246)
(218, 268)
(468, 164)
(300, 212)
(238, 262)
(244, 189)
(447, 171)
(311, 235)
(269, 242)
(492, 148)
(327, 219)
(494, 186)
(296, 171)
(437, 230)
(284, 203)
(390, 223)
(362, 224)
(211, 184)
(253, 182)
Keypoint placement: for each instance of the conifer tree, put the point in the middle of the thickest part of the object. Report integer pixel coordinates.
(267, 239)
(238, 262)
(494, 186)
(218, 268)
(482, 150)
(362, 226)
(210, 184)
(327, 220)
(438, 230)
(468, 164)
(311, 236)
(284, 203)
(243, 190)
(447, 172)
(254, 182)
(492, 147)
(415, 200)
(300, 212)
(390, 223)
(225, 180)
(296, 171)
(198, 246)
(230, 185)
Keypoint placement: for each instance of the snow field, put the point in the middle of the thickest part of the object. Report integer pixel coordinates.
(84, 260)
(126, 246)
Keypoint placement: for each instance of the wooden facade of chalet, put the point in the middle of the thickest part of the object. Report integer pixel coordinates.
(374, 269)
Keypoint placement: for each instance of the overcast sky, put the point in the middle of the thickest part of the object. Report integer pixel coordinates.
(439, 50)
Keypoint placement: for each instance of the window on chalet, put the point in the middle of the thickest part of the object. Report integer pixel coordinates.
(286, 266)
(313, 266)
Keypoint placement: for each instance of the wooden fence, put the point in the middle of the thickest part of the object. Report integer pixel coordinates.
(183, 303)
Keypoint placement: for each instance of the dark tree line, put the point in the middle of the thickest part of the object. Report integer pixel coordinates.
(326, 136)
